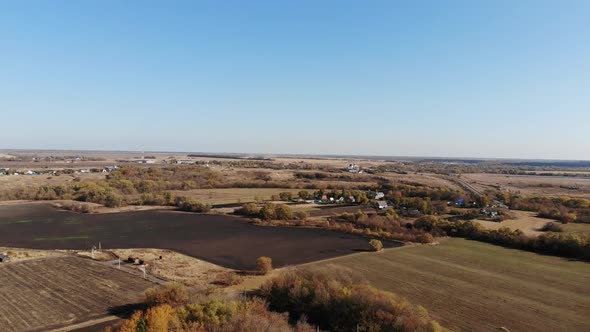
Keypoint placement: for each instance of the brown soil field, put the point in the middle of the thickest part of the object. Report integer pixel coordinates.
(526, 221)
(531, 184)
(41, 294)
(228, 241)
(474, 286)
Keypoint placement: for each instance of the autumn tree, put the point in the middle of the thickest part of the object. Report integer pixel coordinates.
(263, 265)
(376, 245)
(285, 196)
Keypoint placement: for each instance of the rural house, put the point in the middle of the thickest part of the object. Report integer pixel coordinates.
(4, 257)
(381, 205)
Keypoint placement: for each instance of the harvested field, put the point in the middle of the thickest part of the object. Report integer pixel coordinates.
(41, 294)
(228, 241)
(531, 184)
(526, 221)
(426, 179)
(473, 286)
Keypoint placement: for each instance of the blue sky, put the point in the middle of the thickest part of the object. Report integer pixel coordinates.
(506, 79)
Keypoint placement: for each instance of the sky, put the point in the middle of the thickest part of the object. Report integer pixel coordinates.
(482, 79)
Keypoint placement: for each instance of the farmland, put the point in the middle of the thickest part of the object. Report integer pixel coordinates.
(552, 186)
(468, 285)
(46, 293)
(223, 240)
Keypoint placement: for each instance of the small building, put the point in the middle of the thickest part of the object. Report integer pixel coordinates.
(109, 169)
(29, 172)
(381, 205)
(4, 258)
(353, 168)
(379, 195)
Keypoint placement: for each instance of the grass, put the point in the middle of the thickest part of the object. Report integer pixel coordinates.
(64, 238)
(526, 221)
(469, 285)
(24, 221)
(576, 228)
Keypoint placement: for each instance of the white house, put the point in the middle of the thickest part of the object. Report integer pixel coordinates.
(353, 168)
(381, 205)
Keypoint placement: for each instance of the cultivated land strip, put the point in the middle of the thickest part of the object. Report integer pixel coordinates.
(468, 285)
(57, 291)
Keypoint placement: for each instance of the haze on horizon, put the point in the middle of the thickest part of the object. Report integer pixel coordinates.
(485, 79)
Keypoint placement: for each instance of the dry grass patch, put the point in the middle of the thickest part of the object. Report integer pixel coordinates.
(526, 221)
(176, 267)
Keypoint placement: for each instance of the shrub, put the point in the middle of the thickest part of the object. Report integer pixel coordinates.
(228, 279)
(376, 245)
(552, 227)
(300, 215)
(263, 265)
(425, 238)
(190, 205)
(283, 212)
(248, 209)
(172, 294)
(268, 212)
(285, 196)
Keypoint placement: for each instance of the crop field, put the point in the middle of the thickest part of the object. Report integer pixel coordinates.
(46, 293)
(472, 286)
(228, 241)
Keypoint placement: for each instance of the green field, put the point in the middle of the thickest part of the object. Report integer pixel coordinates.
(473, 286)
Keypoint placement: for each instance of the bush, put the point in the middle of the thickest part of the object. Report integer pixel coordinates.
(268, 212)
(190, 205)
(263, 265)
(425, 238)
(552, 227)
(248, 209)
(286, 196)
(228, 279)
(283, 212)
(300, 215)
(172, 294)
(376, 245)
